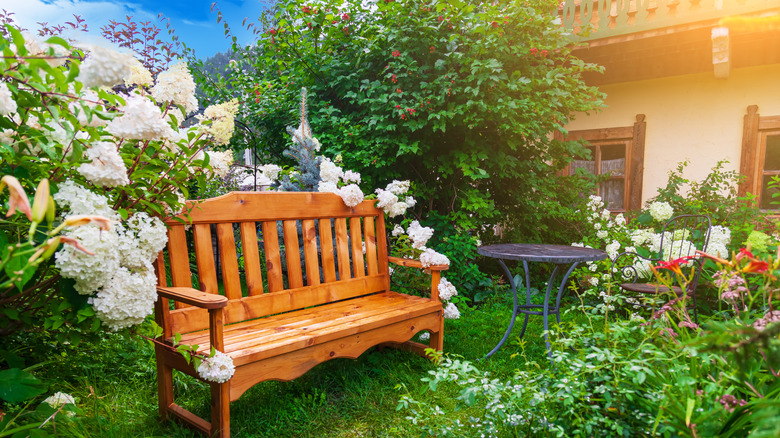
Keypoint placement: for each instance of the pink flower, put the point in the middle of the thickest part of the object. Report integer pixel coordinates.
(18, 199)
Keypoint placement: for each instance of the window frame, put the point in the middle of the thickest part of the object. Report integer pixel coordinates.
(634, 139)
(756, 129)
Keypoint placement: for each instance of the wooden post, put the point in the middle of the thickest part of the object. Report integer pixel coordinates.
(220, 392)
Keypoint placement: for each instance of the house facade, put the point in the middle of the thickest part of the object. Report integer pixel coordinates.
(695, 80)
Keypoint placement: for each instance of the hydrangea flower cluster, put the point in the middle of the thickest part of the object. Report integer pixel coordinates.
(7, 103)
(120, 273)
(661, 211)
(335, 180)
(218, 368)
(175, 85)
(390, 198)
(60, 399)
(107, 168)
(222, 123)
(104, 67)
(140, 120)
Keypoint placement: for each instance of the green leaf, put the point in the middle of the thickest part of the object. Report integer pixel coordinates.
(18, 269)
(68, 291)
(17, 386)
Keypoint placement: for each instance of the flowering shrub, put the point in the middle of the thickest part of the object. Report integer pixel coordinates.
(122, 156)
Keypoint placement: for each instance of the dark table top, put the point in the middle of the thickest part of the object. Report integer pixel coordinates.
(535, 252)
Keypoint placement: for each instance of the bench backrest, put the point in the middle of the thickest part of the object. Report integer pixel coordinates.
(341, 253)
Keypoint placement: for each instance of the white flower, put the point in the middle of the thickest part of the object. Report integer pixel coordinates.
(451, 311)
(595, 203)
(88, 101)
(641, 236)
(397, 230)
(222, 117)
(81, 201)
(597, 226)
(578, 244)
(139, 75)
(271, 171)
(107, 168)
(218, 368)
(59, 399)
(446, 289)
(141, 120)
(410, 202)
(720, 237)
(7, 102)
(91, 272)
(612, 249)
(620, 220)
(220, 162)
(327, 187)
(177, 86)
(104, 67)
(351, 194)
(141, 238)
(127, 299)
(661, 211)
(419, 235)
(329, 172)
(606, 215)
(424, 336)
(397, 209)
(386, 199)
(602, 234)
(350, 176)
(594, 281)
(398, 187)
(430, 258)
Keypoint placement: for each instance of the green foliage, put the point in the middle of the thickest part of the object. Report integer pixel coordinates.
(715, 196)
(458, 98)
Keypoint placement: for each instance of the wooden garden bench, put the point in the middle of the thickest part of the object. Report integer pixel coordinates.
(320, 296)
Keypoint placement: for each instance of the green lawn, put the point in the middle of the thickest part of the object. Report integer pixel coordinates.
(114, 383)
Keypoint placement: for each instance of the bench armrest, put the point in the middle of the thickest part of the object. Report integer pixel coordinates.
(416, 264)
(193, 297)
(435, 273)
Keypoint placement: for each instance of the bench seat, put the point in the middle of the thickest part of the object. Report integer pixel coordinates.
(259, 339)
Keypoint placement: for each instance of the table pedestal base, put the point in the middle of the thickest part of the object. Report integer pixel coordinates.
(527, 308)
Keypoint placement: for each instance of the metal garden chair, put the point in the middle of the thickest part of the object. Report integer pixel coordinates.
(681, 237)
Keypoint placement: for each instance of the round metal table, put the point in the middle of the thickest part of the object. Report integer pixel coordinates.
(561, 256)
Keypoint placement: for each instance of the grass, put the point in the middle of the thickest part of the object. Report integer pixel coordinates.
(114, 383)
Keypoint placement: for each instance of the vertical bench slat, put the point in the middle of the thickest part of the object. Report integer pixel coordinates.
(159, 270)
(229, 261)
(253, 273)
(381, 246)
(326, 246)
(342, 247)
(310, 252)
(292, 254)
(179, 259)
(273, 260)
(204, 256)
(368, 225)
(357, 247)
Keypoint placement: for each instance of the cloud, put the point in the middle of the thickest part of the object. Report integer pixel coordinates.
(29, 13)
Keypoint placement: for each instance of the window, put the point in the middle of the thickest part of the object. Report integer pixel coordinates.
(760, 160)
(618, 152)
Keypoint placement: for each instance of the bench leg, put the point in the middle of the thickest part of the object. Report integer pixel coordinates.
(220, 410)
(164, 388)
(437, 339)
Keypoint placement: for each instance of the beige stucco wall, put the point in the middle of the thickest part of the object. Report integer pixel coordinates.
(693, 117)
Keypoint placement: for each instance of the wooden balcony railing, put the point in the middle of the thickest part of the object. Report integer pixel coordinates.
(619, 17)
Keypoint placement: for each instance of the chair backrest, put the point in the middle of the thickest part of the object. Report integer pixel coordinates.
(683, 235)
(314, 250)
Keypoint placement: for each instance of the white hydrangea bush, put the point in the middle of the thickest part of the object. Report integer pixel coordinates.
(117, 153)
(616, 237)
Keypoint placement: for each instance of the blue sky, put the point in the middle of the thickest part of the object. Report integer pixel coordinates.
(193, 20)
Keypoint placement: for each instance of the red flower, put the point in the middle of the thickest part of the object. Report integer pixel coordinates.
(345, 17)
(394, 79)
(713, 258)
(756, 266)
(398, 90)
(544, 52)
(441, 18)
(494, 24)
(305, 9)
(673, 265)
(534, 51)
(411, 111)
(398, 106)
(432, 49)
(396, 53)
(272, 31)
(744, 253)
